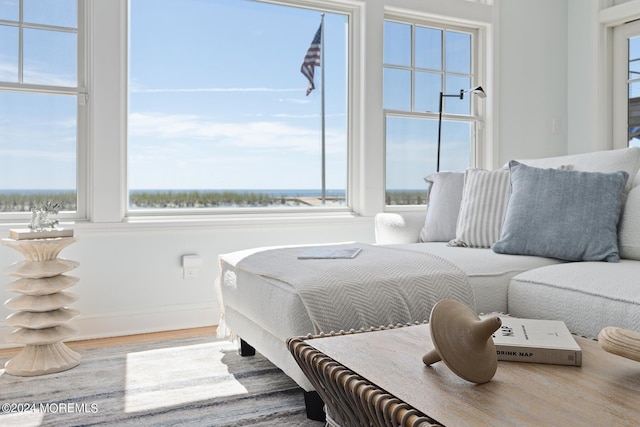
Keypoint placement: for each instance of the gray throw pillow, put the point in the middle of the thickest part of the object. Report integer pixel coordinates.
(442, 206)
(569, 215)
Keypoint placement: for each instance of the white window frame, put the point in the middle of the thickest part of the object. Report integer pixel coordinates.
(620, 87)
(479, 152)
(81, 94)
(353, 11)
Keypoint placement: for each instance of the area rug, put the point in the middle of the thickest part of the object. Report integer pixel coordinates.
(187, 382)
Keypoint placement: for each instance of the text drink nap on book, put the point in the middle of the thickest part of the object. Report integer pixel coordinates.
(536, 341)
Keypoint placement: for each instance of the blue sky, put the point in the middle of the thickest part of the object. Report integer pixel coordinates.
(217, 99)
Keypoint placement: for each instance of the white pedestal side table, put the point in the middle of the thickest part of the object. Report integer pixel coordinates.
(42, 307)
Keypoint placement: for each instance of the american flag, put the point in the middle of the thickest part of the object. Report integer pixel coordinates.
(312, 59)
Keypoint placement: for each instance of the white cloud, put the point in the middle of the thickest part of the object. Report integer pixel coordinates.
(254, 136)
(9, 73)
(39, 154)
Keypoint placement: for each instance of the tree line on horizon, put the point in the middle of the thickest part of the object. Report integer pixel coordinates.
(23, 202)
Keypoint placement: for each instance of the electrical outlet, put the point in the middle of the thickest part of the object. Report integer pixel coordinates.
(190, 273)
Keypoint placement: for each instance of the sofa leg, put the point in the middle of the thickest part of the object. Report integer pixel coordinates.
(314, 405)
(245, 349)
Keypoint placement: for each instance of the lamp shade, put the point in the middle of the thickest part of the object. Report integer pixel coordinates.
(478, 91)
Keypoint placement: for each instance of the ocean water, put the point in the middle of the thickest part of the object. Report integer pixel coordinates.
(268, 192)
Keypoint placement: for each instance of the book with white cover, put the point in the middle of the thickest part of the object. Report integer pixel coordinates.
(536, 341)
(329, 253)
(28, 234)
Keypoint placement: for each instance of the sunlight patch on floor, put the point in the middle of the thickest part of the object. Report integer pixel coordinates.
(15, 416)
(22, 419)
(178, 375)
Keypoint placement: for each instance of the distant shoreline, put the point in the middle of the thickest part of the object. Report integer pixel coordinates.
(23, 200)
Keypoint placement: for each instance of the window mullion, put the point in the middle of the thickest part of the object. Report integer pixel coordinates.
(20, 42)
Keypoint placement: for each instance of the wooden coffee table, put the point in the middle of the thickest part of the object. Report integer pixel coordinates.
(379, 376)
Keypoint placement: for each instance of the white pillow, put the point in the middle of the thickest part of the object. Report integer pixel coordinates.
(484, 202)
(624, 159)
(629, 228)
(443, 206)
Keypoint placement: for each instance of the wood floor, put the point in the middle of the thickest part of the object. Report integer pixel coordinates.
(128, 339)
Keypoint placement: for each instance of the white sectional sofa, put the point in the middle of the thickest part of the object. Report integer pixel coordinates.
(564, 283)
(587, 295)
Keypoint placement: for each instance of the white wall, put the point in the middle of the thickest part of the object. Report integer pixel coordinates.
(130, 274)
(532, 79)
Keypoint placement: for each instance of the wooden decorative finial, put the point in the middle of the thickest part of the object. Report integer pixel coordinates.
(463, 341)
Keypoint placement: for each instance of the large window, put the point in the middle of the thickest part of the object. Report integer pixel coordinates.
(219, 116)
(626, 85)
(420, 62)
(41, 80)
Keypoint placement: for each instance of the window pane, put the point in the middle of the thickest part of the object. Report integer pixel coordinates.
(458, 52)
(38, 146)
(50, 57)
(455, 105)
(238, 129)
(634, 69)
(397, 44)
(634, 48)
(397, 89)
(634, 111)
(8, 54)
(9, 10)
(60, 13)
(410, 156)
(427, 89)
(428, 48)
(455, 146)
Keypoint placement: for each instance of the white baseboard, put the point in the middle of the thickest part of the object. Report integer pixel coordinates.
(104, 325)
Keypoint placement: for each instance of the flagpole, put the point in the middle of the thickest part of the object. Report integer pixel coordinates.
(324, 190)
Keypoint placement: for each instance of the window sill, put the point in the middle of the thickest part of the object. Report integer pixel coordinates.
(157, 223)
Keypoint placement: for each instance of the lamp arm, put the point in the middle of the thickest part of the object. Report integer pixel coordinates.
(442, 95)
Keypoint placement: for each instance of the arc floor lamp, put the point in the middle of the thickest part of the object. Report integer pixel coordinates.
(477, 90)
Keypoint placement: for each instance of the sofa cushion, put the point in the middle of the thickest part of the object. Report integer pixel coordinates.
(625, 159)
(588, 296)
(484, 200)
(489, 273)
(442, 206)
(629, 230)
(569, 215)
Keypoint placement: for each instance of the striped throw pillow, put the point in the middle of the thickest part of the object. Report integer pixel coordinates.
(484, 202)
